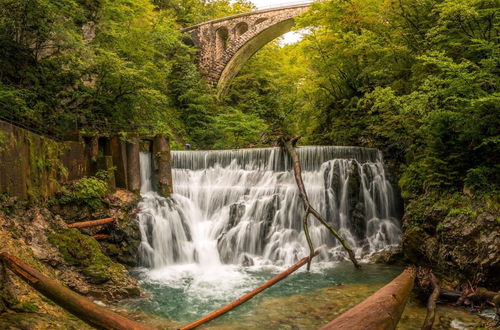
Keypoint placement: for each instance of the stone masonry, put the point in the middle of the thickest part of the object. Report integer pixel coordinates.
(225, 44)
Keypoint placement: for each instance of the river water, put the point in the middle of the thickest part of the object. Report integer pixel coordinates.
(235, 220)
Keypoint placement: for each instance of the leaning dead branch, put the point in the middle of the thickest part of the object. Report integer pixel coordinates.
(249, 295)
(289, 145)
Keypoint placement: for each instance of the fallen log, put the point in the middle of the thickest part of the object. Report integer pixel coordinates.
(79, 306)
(382, 310)
(483, 294)
(449, 295)
(431, 303)
(249, 295)
(99, 237)
(91, 223)
(457, 297)
(289, 145)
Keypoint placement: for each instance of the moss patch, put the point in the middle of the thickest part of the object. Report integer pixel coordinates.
(84, 253)
(27, 307)
(88, 191)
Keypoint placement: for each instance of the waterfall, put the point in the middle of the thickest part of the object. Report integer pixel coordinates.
(242, 207)
(146, 165)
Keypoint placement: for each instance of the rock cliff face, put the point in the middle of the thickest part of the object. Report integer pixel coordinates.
(457, 236)
(40, 237)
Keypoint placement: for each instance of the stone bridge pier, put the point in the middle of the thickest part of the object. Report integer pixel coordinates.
(225, 44)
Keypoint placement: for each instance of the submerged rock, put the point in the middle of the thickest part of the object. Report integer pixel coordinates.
(246, 261)
(388, 256)
(236, 212)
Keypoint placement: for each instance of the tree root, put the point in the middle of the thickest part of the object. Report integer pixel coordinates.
(470, 295)
(431, 302)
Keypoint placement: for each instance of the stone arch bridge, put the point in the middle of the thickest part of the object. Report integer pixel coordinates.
(225, 44)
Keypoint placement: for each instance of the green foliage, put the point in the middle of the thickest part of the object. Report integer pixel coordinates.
(88, 191)
(479, 179)
(418, 80)
(6, 204)
(191, 12)
(107, 65)
(236, 129)
(465, 211)
(104, 175)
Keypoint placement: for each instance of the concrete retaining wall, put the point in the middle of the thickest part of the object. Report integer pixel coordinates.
(31, 166)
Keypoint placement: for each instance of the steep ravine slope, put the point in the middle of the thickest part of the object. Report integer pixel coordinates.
(40, 237)
(456, 235)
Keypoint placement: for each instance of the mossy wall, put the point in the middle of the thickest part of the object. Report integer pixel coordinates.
(32, 166)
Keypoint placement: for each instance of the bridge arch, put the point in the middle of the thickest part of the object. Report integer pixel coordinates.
(221, 41)
(240, 29)
(227, 43)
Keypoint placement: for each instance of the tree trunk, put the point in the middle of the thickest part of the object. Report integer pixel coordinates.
(382, 310)
(92, 223)
(79, 306)
(289, 145)
(133, 165)
(250, 295)
(161, 152)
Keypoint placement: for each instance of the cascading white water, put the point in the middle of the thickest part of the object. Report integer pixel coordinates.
(242, 207)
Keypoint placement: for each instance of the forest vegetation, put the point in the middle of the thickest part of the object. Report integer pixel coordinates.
(416, 79)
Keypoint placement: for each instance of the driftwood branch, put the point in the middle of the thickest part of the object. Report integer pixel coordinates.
(92, 223)
(382, 310)
(289, 145)
(470, 294)
(79, 306)
(249, 295)
(431, 303)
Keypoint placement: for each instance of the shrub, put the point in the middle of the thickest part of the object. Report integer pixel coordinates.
(88, 191)
(478, 180)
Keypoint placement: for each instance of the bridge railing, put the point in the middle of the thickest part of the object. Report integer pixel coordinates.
(286, 4)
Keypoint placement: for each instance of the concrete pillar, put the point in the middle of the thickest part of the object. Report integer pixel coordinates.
(104, 146)
(94, 147)
(117, 148)
(161, 152)
(133, 165)
(93, 153)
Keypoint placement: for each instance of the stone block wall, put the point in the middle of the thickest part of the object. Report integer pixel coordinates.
(221, 39)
